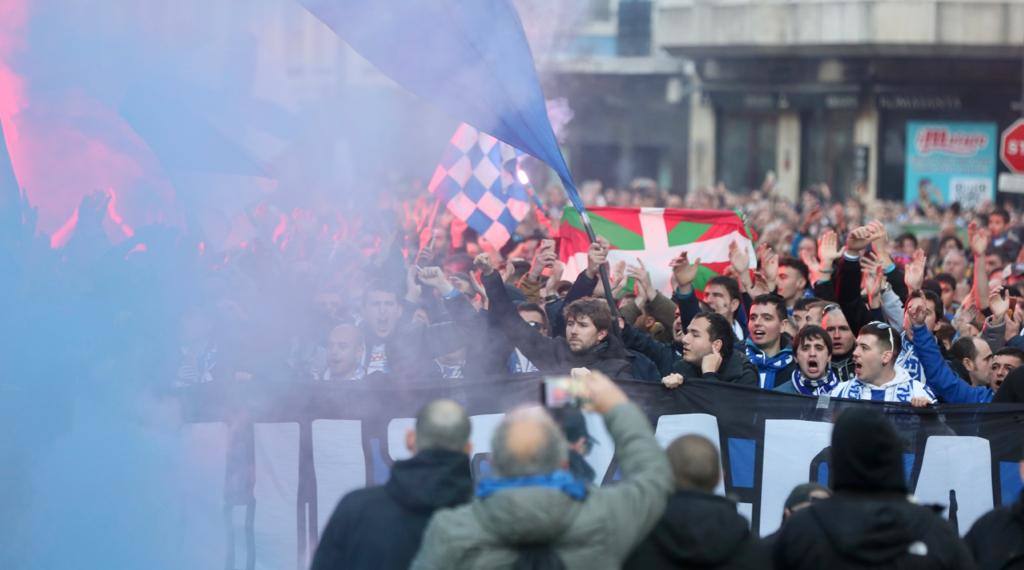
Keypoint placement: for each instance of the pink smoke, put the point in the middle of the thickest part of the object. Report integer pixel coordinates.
(65, 144)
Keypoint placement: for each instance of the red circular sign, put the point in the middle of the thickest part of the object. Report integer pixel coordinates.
(1011, 146)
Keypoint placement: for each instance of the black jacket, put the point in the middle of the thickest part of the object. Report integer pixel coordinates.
(699, 530)
(854, 530)
(553, 354)
(737, 369)
(997, 539)
(381, 527)
(668, 359)
(409, 347)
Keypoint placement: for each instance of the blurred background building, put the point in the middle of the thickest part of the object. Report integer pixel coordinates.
(692, 92)
(685, 92)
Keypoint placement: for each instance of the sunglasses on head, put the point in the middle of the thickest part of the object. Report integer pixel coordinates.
(881, 325)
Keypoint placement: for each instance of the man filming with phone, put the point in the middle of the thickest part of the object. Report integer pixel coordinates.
(534, 514)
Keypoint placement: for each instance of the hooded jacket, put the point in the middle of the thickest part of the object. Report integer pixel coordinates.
(869, 523)
(381, 527)
(900, 389)
(595, 533)
(699, 530)
(997, 539)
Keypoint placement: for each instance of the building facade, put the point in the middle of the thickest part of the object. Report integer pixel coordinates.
(693, 92)
(823, 90)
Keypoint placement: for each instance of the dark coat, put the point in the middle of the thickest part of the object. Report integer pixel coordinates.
(860, 530)
(699, 530)
(553, 354)
(380, 528)
(997, 539)
(668, 359)
(408, 347)
(737, 369)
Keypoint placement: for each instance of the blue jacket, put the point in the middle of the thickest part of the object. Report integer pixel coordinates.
(940, 377)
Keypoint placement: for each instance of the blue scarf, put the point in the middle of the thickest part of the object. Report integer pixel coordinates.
(768, 366)
(561, 480)
(815, 387)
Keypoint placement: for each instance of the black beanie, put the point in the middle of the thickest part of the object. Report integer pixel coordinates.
(867, 454)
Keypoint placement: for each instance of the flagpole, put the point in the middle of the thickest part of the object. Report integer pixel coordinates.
(603, 269)
(430, 228)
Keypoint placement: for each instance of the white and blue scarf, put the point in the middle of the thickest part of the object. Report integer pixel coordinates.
(909, 361)
(560, 480)
(900, 389)
(816, 387)
(768, 366)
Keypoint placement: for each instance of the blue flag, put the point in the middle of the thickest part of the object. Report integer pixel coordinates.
(468, 57)
(478, 181)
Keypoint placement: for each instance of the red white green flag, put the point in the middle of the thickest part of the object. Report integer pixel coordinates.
(656, 236)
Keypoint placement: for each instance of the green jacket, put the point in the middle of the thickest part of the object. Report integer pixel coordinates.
(598, 532)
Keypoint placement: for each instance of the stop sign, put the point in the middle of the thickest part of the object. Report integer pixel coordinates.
(1011, 147)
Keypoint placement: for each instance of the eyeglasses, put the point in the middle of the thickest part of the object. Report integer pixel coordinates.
(535, 324)
(888, 328)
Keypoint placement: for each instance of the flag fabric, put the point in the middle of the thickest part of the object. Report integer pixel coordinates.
(470, 58)
(478, 180)
(656, 236)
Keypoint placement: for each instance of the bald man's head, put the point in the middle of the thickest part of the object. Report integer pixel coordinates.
(528, 442)
(442, 424)
(694, 461)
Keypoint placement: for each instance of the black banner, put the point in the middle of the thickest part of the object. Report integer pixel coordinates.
(965, 457)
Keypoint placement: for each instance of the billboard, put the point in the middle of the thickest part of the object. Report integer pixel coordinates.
(950, 161)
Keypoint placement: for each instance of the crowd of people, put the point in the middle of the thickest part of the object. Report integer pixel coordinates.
(534, 511)
(842, 302)
(836, 304)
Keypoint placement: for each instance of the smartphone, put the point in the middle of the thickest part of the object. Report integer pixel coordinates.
(561, 391)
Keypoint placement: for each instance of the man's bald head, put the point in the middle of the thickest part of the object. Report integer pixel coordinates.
(695, 463)
(528, 442)
(442, 424)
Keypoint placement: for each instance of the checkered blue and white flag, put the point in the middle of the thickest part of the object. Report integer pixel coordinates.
(478, 179)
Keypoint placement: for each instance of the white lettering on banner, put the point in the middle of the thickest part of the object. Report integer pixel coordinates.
(276, 492)
(603, 449)
(339, 462)
(483, 427)
(205, 445)
(789, 448)
(673, 426)
(396, 438)
(962, 464)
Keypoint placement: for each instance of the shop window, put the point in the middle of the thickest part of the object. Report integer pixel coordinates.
(746, 149)
(827, 151)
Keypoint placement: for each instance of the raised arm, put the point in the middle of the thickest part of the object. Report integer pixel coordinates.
(540, 349)
(637, 501)
(939, 376)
